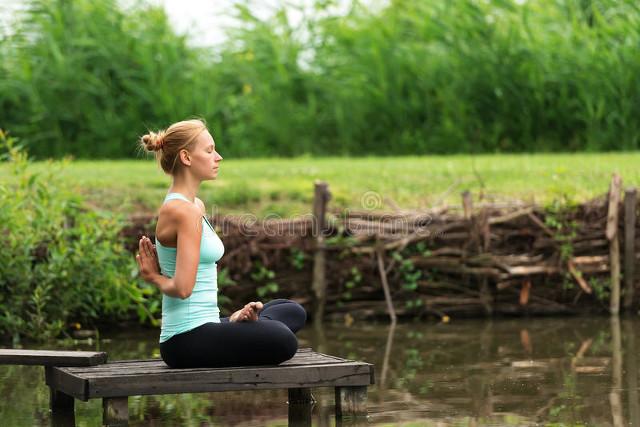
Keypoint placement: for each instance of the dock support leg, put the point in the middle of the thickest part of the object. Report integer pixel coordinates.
(115, 411)
(59, 402)
(351, 403)
(300, 406)
(62, 408)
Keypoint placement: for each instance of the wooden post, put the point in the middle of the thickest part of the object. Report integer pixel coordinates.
(614, 244)
(480, 235)
(63, 419)
(300, 406)
(351, 402)
(58, 401)
(319, 283)
(115, 411)
(630, 203)
(467, 204)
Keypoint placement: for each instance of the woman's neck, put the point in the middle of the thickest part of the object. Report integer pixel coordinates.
(186, 187)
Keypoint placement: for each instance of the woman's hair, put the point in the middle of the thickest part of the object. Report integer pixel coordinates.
(167, 143)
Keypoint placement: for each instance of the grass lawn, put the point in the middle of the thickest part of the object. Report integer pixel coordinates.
(284, 187)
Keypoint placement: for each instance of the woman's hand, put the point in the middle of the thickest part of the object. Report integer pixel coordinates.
(249, 313)
(147, 260)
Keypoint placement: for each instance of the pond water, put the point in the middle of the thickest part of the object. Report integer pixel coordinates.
(513, 372)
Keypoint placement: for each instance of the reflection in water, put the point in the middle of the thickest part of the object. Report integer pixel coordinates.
(615, 396)
(567, 371)
(631, 374)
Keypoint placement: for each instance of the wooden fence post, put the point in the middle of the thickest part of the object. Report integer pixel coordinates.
(479, 234)
(614, 245)
(630, 203)
(319, 284)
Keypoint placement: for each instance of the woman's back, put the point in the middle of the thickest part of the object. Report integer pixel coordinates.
(180, 315)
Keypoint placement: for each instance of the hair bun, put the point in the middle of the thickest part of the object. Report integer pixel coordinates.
(153, 141)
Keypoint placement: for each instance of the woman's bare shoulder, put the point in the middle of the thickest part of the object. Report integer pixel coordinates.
(179, 210)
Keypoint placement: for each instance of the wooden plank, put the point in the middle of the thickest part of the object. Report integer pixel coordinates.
(141, 370)
(165, 370)
(149, 365)
(10, 356)
(175, 381)
(160, 367)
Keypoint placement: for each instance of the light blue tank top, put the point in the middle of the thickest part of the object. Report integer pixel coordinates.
(181, 315)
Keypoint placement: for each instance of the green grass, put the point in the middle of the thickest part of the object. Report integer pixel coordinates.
(285, 186)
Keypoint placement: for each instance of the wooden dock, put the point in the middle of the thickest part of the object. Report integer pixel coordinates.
(115, 381)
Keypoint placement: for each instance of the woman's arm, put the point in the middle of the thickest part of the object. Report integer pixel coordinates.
(189, 227)
(189, 230)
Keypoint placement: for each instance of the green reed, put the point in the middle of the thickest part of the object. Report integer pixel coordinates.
(86, 78)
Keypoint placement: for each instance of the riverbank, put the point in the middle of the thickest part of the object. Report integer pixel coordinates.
(474, 259)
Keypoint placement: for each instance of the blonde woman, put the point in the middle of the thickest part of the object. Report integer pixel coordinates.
(183, 266)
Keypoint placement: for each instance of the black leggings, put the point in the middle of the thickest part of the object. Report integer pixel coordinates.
(268, 341)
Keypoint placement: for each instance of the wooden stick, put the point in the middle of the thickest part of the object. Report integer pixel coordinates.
(511, 216)
(385, 286)
(614, 201)
(524, 292)
(630, 203)
(319, 283)
(578, 277)
(540, 224)
(467, 204)
(614, 245)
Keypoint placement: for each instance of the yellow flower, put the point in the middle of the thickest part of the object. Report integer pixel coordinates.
(246, 89)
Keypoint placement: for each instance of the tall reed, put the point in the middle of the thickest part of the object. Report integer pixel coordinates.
(85, 78)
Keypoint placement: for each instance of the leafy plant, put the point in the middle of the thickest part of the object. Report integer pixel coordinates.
(409, 276)
(355, 277)
(297, 258)
(62, 261)
(265, 276)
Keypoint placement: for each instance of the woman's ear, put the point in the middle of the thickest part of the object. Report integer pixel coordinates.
(185, 158)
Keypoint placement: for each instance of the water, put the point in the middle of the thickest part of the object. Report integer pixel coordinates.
(563, 371)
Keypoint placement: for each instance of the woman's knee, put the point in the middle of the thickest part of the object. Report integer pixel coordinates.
(285, 343)
(298, 315)
(289, 345)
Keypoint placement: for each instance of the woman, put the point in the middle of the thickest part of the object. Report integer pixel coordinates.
(186, 250)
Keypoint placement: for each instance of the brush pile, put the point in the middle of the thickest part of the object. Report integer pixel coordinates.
(462, 261)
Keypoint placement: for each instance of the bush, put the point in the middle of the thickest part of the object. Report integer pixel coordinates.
(61, 262)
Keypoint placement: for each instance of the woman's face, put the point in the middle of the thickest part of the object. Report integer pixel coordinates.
(205, 160)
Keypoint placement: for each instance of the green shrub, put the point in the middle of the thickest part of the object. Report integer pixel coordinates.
(61, 262)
